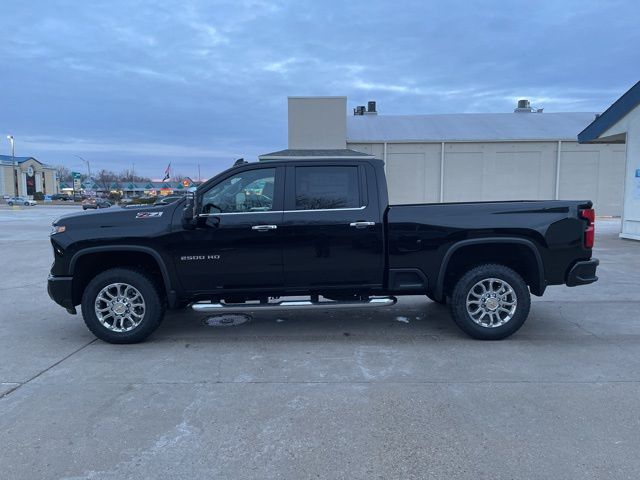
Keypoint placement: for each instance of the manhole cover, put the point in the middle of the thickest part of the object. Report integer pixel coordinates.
(229, 320)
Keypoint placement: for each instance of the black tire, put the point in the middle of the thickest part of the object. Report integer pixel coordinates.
(458, 302)
(10, 204)
(26, 204)
(441, 302)
(154, 305)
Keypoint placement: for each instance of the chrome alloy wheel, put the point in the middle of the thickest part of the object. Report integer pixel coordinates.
(491, 302)
(119, 307)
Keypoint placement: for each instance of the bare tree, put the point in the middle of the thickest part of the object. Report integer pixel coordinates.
(128, 175)
(63, 173)
(105, 178)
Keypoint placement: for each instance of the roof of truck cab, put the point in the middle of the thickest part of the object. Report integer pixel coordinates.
(314, 154)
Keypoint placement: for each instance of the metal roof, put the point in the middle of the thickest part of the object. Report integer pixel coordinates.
(8, 159)
(467, 127)
(612, 115)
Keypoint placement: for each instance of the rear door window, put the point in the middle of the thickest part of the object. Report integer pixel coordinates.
(325, 188)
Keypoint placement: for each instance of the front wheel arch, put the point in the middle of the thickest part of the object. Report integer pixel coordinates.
(87, 263)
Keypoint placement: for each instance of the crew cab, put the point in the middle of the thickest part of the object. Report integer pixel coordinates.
(260, 233)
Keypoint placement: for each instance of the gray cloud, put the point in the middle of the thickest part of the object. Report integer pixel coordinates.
(201, 81)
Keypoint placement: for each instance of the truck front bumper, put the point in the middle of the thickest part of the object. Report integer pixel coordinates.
(583, 272)
(60, 290)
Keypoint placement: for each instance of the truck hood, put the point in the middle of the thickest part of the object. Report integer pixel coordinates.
(118, 222)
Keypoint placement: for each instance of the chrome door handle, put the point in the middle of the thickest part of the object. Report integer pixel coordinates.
(264, 228)
(362, 224)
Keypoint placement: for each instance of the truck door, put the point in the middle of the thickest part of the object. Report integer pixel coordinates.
(333, 231)
(236, 245)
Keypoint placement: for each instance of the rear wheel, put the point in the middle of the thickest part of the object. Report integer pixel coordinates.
(490, 302)
(122, 305)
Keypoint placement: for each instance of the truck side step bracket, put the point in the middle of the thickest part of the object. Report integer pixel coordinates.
(292, 304)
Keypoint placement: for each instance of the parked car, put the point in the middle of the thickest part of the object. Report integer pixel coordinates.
(95, 203)
(167, 200)
(21, 201)
(61, 196)
(320, 228)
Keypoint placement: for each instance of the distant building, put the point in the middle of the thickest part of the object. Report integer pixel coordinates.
(134, 189)
(24, 176)
(526, 154)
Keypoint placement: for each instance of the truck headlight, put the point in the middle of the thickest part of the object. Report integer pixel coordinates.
(57, 229)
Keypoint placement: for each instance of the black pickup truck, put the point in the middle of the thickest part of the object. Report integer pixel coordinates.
(261, 233)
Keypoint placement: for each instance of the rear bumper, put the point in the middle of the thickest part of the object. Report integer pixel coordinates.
(583, 273)
(60, 290)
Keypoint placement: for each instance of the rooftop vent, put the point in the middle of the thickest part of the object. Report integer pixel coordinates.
(525, 106)
(370, 109)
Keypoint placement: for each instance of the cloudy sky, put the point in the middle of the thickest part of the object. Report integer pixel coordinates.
(189, 81)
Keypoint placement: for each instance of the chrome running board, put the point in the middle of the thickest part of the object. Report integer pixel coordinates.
(292, 304)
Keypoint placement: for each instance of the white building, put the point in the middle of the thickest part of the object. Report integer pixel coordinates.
(620, 123)
(525, 154)
(24, 176)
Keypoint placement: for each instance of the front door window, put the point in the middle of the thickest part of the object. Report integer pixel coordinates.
(244, 192)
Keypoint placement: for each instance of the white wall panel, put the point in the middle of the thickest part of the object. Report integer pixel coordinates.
(593, 172)
(503, 171)
(413, 173)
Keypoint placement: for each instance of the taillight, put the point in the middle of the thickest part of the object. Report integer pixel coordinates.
(589, 214)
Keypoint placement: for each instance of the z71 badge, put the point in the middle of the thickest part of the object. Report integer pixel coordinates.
(148, 214)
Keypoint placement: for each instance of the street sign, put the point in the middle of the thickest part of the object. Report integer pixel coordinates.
(77, 181)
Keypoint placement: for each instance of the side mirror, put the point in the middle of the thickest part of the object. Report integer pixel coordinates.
(189, 214)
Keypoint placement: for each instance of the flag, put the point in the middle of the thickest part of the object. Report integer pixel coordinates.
(167, 172)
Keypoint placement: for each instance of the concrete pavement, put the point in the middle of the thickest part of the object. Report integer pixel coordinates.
(390, 393)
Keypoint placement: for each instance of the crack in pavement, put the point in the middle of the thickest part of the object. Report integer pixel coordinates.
(9, 392)
(363, 382)
(41, 282)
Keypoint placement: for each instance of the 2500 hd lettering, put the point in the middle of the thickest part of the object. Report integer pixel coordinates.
(260, 233)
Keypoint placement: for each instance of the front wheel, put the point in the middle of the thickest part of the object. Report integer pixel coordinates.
(490, 302)
(122, 305)
(10, 204)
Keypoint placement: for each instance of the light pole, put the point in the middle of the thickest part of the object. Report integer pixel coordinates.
(88, 165)
(14, 165)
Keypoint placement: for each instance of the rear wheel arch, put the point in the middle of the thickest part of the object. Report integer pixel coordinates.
(88, 263)
(519, 254)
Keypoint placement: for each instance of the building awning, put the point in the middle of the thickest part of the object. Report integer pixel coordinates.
(315, 154)
(598, 130)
